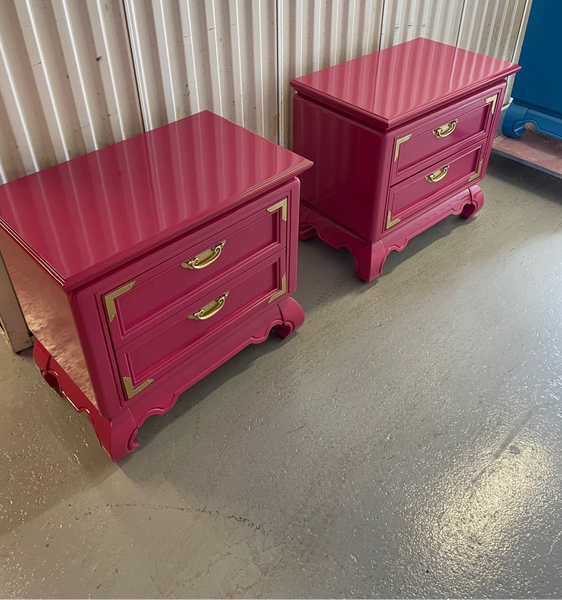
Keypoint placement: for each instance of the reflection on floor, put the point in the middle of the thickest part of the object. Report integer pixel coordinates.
(406, 443)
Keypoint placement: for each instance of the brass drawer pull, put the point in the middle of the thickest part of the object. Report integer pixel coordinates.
(445, 130)
(206, 258)
(209, 310)
(437, 175)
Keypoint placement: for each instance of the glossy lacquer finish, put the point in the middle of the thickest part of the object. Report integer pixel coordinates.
(399, 138)
(99, 210)
(142, 267)
(400, 83)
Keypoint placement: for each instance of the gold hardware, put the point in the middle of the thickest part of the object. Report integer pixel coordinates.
(397, 147)
(445, 130)
(204, 259)
(280, 205)
(130, 390)
(493, 100)
(209, 310)
(477, 174)
(437, 175)
(389, 222)
(281, 291)
(110, 299)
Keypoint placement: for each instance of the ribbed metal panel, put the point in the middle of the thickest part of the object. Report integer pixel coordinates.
(194, 55)
(408, 19)
(492, 27)
(66, 81)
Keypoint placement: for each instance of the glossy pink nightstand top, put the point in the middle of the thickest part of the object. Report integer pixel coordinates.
(399, 83)
(91, 214)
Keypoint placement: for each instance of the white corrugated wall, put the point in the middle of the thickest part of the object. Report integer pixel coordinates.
(67, 84)
(193, 55)
(76, 75)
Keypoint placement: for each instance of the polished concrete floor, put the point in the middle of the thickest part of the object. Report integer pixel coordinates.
(407, 442)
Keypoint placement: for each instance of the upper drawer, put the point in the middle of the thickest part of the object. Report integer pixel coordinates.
(439, 181)
(418, 144)
(194, 329)
(154, 295)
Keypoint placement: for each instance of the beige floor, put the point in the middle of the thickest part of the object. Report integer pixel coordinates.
(406, 442)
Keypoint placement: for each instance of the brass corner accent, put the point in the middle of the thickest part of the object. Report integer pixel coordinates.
(398, 142)
(205, 258)
(477, 174)
(281, 291)
(493, 100)
(280, 205)
(130, 390)
(110, 299)
(389, 222)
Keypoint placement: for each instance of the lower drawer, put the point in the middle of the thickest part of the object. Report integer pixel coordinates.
(419, 191)
(151, 355)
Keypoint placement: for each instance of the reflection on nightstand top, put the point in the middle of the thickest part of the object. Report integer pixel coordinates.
(91, 214)
(397, 84)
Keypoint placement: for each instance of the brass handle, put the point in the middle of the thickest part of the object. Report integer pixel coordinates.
(206, 258)
(209, 310)
(437, 175)
(445, 130)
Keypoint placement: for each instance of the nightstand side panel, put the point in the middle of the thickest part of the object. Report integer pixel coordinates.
(346, 156)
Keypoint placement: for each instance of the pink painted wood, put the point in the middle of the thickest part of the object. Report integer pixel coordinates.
(99, 251)
(399, 138)
(404, 82)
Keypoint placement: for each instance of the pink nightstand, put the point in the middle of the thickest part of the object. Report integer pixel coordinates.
(143, 266)
(399, 140)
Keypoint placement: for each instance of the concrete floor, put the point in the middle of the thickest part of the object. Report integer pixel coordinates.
(405, 443)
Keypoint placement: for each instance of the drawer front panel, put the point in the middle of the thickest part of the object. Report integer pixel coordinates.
(193, 330)
(156, 294)
(440, 180)
(445, 133)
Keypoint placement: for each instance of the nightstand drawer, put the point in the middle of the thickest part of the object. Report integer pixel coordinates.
(438, 181)
(192, 330)
(443, 133)
(156, 294)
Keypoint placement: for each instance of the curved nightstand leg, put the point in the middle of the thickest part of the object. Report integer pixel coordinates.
(370, 259)
(116, 435)
(514, 120)
(292, 314)
(306, 229)
(306, 232)
(475, 204)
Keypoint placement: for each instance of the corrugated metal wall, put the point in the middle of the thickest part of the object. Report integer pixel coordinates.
(219, 55)
(67, 84)
(76, 75)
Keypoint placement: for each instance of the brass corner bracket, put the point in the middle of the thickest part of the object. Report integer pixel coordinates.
(130, 390)
(493, 100)
(281, 291)
(477, 174)
(280, 205)
(400, 141)
(389, 222)
(110, 299)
